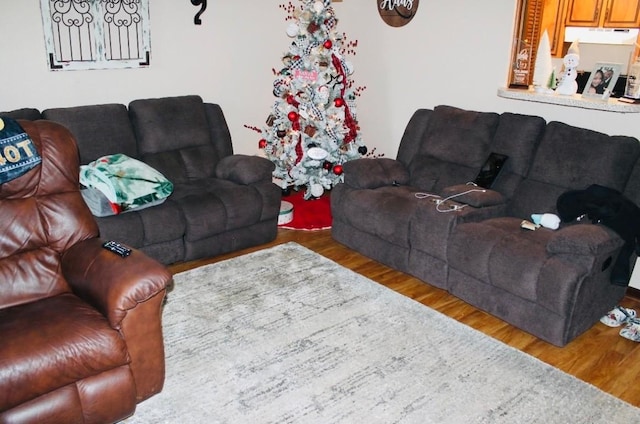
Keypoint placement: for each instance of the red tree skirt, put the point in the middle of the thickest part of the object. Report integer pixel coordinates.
(308, 214)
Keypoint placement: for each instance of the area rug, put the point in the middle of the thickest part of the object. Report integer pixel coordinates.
(284, 335)
(309, 215)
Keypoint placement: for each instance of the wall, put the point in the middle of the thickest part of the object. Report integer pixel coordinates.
(454, 52)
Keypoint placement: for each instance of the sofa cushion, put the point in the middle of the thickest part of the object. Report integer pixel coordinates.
(213, 206)
(60, 337)
(455, 145)
(244, 169)
(517, 136)
(99, 130)
(374, 173)
(413, 136)
(477, 197)
(218, 130)
(571, 158)
(500, 253)
(394, 209)
(174, 137)
(28, 113)
(139, 228)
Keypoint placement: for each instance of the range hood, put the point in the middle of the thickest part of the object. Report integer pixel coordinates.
(619, 36)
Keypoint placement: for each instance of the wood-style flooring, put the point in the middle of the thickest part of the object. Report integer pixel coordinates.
(599, 356)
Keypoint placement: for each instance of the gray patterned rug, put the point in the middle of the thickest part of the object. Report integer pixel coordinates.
(284, 335)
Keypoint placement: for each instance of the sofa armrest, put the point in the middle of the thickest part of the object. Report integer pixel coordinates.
(112, 284)
(471, 195)
(584, 239)
(369, 173)
(245, 169)
(129, 292)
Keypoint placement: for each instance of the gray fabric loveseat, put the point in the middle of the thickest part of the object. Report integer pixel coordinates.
(554, 284)
(221, 201)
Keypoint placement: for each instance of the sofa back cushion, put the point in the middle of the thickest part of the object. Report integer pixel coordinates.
(517, 136)
(454, 146)
(28, 113)
(42, 214)
(99, 130)
(632, 188)
(218, 130)
(572, 158)
(413, 136)
(174, 137)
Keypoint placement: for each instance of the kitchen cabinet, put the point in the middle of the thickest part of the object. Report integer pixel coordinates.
(552, 22)
(603, 13)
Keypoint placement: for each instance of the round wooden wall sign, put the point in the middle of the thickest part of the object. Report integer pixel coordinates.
(397, 13)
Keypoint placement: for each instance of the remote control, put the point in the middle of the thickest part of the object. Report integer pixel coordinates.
(117, 248)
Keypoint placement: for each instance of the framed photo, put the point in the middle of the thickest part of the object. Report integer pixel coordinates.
(602, 80)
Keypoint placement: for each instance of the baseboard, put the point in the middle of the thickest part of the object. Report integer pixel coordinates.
(633, 292)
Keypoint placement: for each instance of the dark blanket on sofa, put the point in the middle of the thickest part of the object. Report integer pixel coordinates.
(604, 205)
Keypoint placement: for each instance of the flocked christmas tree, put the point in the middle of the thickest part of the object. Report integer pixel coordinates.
(312, 129)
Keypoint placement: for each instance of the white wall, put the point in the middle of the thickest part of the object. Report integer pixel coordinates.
(454, 52)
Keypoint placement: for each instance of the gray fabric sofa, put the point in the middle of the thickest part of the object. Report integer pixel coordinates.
(221, 201)
(554, 284)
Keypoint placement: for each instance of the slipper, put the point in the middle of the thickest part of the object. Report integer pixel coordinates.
(618, 316)
(631, 331)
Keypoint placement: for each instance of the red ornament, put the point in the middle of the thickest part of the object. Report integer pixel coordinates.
(262, 143)
(339, 102)
(328, 44)
(293, 116)
(338, 170)
(327, 165)
(290, 99)
(295, 125)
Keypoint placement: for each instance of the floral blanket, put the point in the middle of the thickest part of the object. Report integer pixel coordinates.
(126, 183)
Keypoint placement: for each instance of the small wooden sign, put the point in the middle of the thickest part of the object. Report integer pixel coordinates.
(397, 13)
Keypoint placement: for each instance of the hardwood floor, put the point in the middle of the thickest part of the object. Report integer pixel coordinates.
(599, 356)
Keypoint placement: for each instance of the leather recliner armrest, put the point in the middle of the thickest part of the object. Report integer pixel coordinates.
(113, 284)
(129, 292)
(245, 169)
(369, 173)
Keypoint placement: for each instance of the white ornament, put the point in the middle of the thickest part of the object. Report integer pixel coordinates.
(316, 190)
(323, 93)
(317, 153)
(318, 6)
(293, 29)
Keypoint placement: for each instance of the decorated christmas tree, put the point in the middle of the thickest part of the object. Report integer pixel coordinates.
(312, 129)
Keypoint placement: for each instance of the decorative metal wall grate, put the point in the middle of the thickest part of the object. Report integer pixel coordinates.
(96, 34)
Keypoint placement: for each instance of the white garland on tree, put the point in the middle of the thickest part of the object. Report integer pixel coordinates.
(312, 129)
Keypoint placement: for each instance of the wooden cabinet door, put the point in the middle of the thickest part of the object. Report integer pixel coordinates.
(553, 23)
(622, 14)
(584, 13)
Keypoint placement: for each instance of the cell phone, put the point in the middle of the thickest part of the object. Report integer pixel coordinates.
(490, 170)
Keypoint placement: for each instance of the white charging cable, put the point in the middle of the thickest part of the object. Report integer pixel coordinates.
(440, 201)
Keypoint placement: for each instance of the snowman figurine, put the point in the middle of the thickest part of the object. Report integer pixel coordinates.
(568, 85)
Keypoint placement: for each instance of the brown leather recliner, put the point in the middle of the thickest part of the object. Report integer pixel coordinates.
(80, 327)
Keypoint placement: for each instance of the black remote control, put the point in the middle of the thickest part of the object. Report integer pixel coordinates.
(117, 248)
